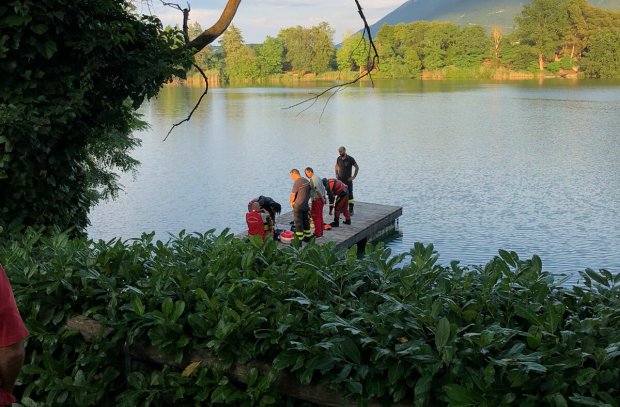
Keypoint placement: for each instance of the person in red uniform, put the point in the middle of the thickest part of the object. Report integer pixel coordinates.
(12, 334)
(259, 221)
(338, 196)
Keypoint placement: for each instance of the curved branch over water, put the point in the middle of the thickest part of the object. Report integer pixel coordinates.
(372, 63)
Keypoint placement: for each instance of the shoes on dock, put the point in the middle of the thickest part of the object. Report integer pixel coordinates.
(347, 221)
(334, 224)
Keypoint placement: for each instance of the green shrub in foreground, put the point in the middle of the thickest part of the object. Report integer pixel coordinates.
(390, 328)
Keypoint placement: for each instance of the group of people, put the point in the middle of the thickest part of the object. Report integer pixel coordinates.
(308, 197)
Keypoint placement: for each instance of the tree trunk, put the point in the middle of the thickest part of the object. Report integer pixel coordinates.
(217, 29)
(541, 62)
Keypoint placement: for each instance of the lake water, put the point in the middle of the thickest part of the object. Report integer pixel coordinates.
(528, 166)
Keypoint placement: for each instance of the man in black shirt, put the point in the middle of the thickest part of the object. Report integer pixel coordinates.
(300, 195)
(344, 165)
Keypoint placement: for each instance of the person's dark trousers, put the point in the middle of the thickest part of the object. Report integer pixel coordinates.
(351, 200)
(302, 224)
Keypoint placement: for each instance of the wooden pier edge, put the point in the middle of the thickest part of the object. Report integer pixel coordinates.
(370, 222)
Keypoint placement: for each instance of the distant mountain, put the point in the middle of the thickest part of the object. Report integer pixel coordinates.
(485, 13)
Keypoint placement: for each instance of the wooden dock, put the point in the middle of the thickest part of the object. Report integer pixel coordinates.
(370, 222)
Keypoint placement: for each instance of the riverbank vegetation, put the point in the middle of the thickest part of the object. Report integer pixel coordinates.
(565, 38)
(378, 329)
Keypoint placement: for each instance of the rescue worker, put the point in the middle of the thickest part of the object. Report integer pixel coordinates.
(259, 221)
(338, 196)
(300, 195)
(268, 204)
(344, 165)
(317, 193)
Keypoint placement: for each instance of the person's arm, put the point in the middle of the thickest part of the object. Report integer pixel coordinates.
(11, 361)
(357, 168)
(336, 168)
(330, 197)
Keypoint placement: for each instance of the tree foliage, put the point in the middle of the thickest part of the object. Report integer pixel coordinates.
(239, 59)
(353, 54)
(602, 59)
(470, 48)
(308, 49)
(549, 33)
(542, 24)
(71, 76)
(271, 56)
(203, 58)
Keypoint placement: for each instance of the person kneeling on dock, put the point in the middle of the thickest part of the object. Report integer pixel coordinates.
(268, 204)
(338, 196)
(259, 221)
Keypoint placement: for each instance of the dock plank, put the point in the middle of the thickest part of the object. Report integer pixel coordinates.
(369, 221)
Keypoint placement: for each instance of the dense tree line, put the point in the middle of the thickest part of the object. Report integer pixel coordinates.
(548, 35)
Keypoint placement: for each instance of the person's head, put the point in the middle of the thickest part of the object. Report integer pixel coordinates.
(275, 208)
(294, 174)
(255, 206)
(309, 172)
(342, 151)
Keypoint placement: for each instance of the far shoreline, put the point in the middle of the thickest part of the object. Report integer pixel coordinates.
(446, 74)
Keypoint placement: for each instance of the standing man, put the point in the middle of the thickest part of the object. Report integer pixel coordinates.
(12, 334)
(300, 194)
(317, 193)
(344, 165)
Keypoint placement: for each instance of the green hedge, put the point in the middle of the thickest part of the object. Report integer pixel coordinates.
(393, 328)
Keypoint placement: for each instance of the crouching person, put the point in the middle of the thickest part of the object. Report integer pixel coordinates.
(259, 221)
(338, 196)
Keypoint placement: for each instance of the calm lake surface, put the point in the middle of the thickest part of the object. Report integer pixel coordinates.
(530, 166)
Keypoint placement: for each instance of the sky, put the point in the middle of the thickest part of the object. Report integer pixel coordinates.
(258, 19)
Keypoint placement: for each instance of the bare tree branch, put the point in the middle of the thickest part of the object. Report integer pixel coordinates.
(173, 5)
(185, 12)
(204, 76)
(372, 63)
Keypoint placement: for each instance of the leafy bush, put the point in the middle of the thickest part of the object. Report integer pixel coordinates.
(72, 74)
(602, 59)
(383, 327)
(564, 63)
